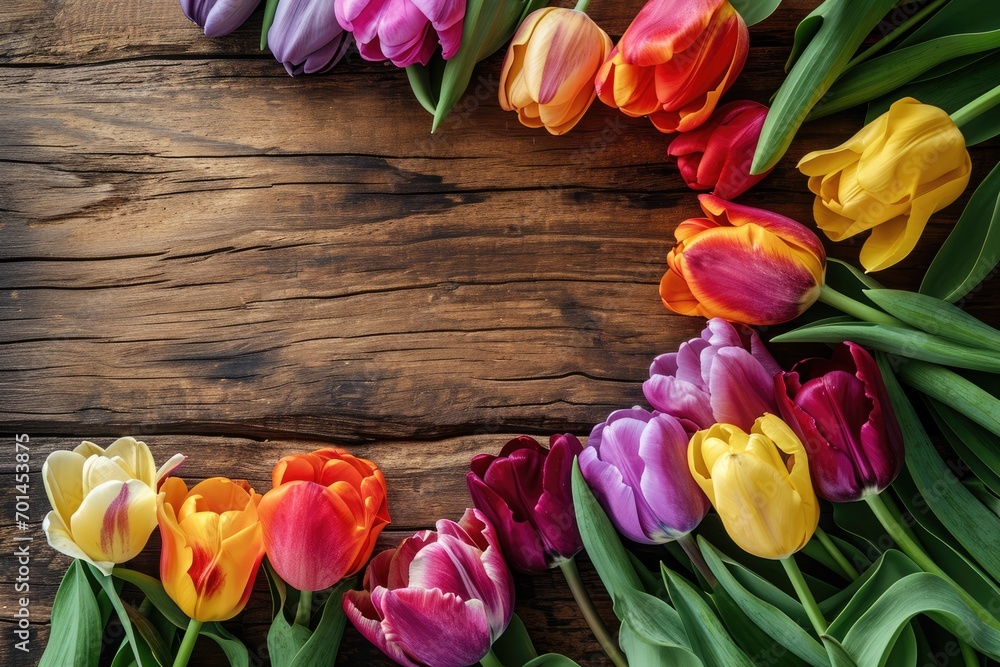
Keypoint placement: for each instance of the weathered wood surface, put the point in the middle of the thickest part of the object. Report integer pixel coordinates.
(195, 243)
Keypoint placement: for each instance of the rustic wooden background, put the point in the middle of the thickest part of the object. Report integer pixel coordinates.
(206, 253)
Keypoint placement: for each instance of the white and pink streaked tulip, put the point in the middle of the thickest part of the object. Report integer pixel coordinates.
(406, 32)
(103, 500)
(440, 599)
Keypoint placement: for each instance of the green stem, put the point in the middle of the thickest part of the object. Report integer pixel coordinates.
(977, 107)
(846, 304)
(490, 660)
(969, 656)
(303, 613)
(593, 619)
(187, 645)
(887, 513)
(581, 6)
(805, 595)
(846, 568)
(895, 34)
(697, 559)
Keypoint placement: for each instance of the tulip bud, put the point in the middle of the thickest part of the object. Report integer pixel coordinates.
(636, 465)
(440, 599)
(759, 484)
(717, 155)
(526, 494)
(219, 17)
(890, 177)
(305, 36)
(840, 410)
(406, 32)
(548, 74)
(743, 264)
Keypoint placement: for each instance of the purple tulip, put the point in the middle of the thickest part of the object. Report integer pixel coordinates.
(305, 36)
(439, 599)
(219, 17)
(725, 376)
(840, 410)
(636, 464)
(406, 32)
(526, 492)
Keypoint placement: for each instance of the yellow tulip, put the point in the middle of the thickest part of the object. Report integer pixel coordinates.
(889, 178)
(212, 546)
(103, 501)
(759, 484)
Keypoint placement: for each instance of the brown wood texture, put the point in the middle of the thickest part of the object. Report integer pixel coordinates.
(199, 249)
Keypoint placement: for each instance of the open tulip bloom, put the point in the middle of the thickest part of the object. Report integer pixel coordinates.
(406, 32)
(305, 37)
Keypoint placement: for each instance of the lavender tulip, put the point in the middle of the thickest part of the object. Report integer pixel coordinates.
(219, 17)
(305, 36)
(724, 376)
(636, 465)
(840, 410)
(406, 32)
(526, 492)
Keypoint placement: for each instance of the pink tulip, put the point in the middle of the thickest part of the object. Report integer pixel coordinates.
(406, 32)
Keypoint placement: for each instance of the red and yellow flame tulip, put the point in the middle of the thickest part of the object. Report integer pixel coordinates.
(675, 61)
(212, 546)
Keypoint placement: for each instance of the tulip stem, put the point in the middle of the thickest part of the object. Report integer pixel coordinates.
(846, 304)
(601, 633)
(581, 6)
(490, 660)
(976, 107)
(805, 595)
(303, 613)
(846, 568)
(187, 644)
(697, 559)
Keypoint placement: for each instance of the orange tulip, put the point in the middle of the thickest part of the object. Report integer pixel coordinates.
(675, 61)
(548, 74)
(212, 546)
(322, 517)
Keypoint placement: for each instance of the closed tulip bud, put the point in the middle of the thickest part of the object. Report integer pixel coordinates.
(526, 493)
(675, 61)
(305, 36)
(840, 410)
(717, 155)
(406, 32)
(636, 465)
(219, 17)
(726, 375)
(743, 264)
(548, 74)
(103, 501)
(889, 178)
(212, 546)
(322, 517)
(440, 599)
(759, 484)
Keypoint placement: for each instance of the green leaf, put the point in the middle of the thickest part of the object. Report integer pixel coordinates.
(762, 649)
(270, 7)
(514, 646)
(936, 317)
(324, 644)
(123, 616)
(978, 448)
(235, 650)
(755, 11)
(75, 637)
(644, 654)
(955, 17)
(972, 250)
(145, 630)
(549, 660)
(954, 391)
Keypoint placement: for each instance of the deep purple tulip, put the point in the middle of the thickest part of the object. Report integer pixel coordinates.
(840, 410)
(219, 17)
(636, 464)
(305, 36)
(406, 32)
(439, 599)
(526, 492)
(725, 376)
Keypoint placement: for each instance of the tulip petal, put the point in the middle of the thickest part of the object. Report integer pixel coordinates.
(616, 497)
(62, 475)
(677, 504)
(358, 608)
(171, 464)
(425, 621)
(59, 538)
(741, 390)
(134, 457)
(114, 520)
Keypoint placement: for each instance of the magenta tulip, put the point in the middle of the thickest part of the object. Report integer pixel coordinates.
(724, 376)
(305, 36)
(636, 465)
(440, 599)
(526, 493)
(840, 410)
(219, 17)
(406, 32)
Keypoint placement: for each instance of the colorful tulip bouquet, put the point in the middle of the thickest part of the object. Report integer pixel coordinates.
(886, 526)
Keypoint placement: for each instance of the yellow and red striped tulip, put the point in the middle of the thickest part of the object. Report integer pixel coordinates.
(675, 61)
(212, 546)
(548, 74)
(743, 264)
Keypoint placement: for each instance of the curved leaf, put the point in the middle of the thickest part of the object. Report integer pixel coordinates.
(75, 622)
(978, 448)
(936, 317)
(551, 660)
(954, 391)
(644, 654)
(755, 11)
(324, 644)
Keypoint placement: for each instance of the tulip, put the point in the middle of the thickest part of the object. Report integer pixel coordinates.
(406, 32)
(526, 494)
(548, 74)
(725, 375)
(759, 484)
(322, 517)
(675, 61)
(635, 463)
(743, 264)
(305, 36)
(717, 155)
(440, 599)
(212, 546)
(890, 177)
(840, 410)
(103, 501)
(219, 17)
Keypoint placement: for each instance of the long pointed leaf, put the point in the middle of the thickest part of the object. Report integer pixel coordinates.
(755, 11)
(76, 623)
(937, 317)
